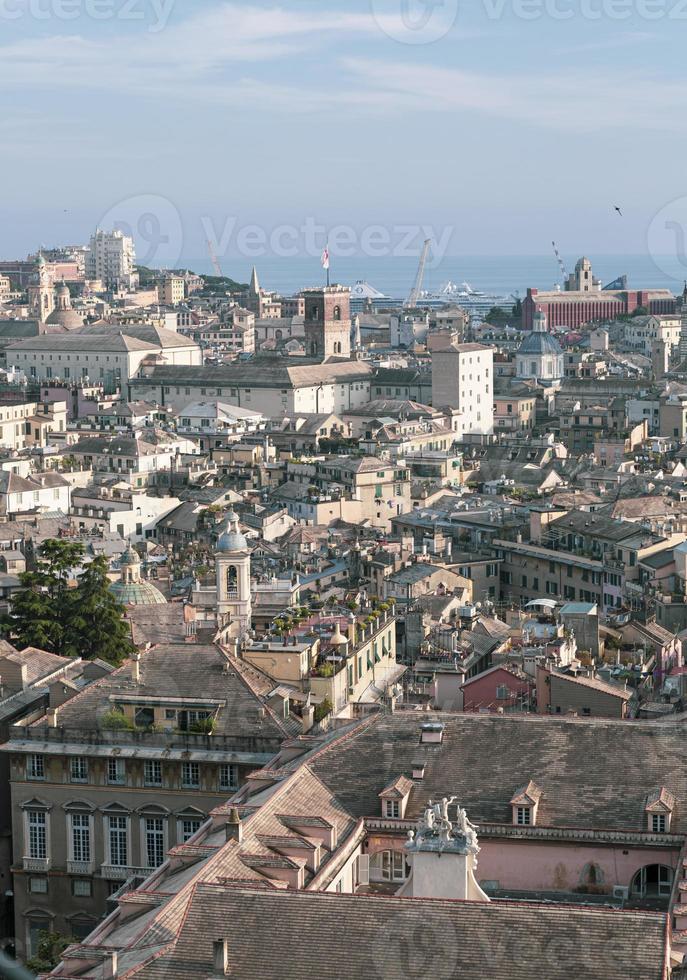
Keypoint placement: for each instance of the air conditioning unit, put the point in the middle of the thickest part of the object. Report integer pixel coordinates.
(621, 891)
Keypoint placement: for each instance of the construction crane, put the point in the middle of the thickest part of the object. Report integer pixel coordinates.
(564, 272)
(419, 279)
(215, 261)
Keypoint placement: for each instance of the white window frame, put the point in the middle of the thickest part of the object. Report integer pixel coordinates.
(118, 764)
(659, 823)
(183, 834)
(145, 862)
(523, 816)
(88, 828)
(29, 814)
(78, 763)
(186, 781)
(35, 767)
(127, 838)
(156, 766)
(392, 809)
(232, 769)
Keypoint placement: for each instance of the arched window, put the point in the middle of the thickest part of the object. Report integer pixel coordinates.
(314, 313)
(278, 334)
(232, 581)
(313, 348)
(652, 881)
(337, 312)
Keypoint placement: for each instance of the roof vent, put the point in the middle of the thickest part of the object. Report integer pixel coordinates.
(431, 732)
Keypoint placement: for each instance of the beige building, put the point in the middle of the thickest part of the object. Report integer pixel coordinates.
(171, 290)
(105, 784)
(463, 378)
(27, 424)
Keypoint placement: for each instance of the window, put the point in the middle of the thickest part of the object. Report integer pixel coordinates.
(81, 888)
(37, 834)
(523, 816)
(190, 775)
(78, 769)
(36, 926)
(116, 771)
(154, 829)
(188, 827)
(38, 886)
(502, 692)
(228, 776)
(658, 823)
(393, 809)
(152, 773)
(118, 841)
(35, 768)
(81, 837)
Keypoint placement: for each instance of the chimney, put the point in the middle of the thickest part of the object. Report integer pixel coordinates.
(136, 668)
(110, 965)
(52, 717)
(234, 827)
(220, 957)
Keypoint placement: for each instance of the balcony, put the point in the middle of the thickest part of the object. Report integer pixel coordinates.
(79, 867)
(116, 873)
(41, 865)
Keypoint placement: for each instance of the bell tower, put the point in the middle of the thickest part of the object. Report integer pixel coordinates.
(232, 564)
(327, 322)
(41, 294)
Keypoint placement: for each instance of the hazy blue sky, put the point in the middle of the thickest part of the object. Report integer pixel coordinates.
(518, 124)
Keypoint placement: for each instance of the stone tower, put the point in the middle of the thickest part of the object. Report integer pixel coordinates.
(41, 294)
(232, 563)
(328, 322)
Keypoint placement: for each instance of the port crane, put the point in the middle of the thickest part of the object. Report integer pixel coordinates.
(561, 263)
(419, 279)
(215, 261)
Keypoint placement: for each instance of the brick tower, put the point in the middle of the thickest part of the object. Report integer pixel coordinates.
(327, 322)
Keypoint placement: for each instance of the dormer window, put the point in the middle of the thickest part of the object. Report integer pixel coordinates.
(395, 798)
(525, 804)
(659, 807)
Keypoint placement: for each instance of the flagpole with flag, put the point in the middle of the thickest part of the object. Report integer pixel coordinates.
(325, 261)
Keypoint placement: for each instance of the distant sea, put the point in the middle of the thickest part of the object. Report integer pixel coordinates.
(505, 275)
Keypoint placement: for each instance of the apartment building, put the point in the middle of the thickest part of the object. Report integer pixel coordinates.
(462, 377)
(30, 424)
(576, 556)
(106, 783)
(111, 258)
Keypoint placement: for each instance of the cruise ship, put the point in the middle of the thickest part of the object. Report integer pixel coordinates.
(471, 300)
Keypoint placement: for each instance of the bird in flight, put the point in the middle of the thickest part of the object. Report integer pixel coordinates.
(619, 212)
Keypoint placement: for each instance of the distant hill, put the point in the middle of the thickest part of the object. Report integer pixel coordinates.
(213, 284)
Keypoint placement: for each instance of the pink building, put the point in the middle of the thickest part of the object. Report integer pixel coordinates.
(504, 686)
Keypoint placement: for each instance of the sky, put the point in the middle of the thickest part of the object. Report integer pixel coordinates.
(491, 126)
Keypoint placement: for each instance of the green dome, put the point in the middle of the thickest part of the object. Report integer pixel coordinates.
(137, 594)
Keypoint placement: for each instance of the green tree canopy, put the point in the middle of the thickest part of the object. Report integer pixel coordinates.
(51, 613)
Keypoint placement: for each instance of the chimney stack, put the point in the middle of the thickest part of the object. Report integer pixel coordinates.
(136, 668)
(234, 827)
(110, 965)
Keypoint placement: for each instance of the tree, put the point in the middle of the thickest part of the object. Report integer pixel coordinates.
(97, 627)
(51, 946)
(50, 613)
(41, 611)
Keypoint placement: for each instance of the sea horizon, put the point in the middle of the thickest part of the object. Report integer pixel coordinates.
(503, 275)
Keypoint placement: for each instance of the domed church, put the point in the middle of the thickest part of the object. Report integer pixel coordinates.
(540, 357)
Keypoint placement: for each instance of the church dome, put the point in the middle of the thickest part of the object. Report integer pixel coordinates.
(137, 594)
(63, 315)
(231, 538)
(540, 344)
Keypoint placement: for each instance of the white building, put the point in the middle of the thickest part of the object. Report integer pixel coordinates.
(462, 378)
(102, 353)
(111, 257)
(642, 332)
(540, 357)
